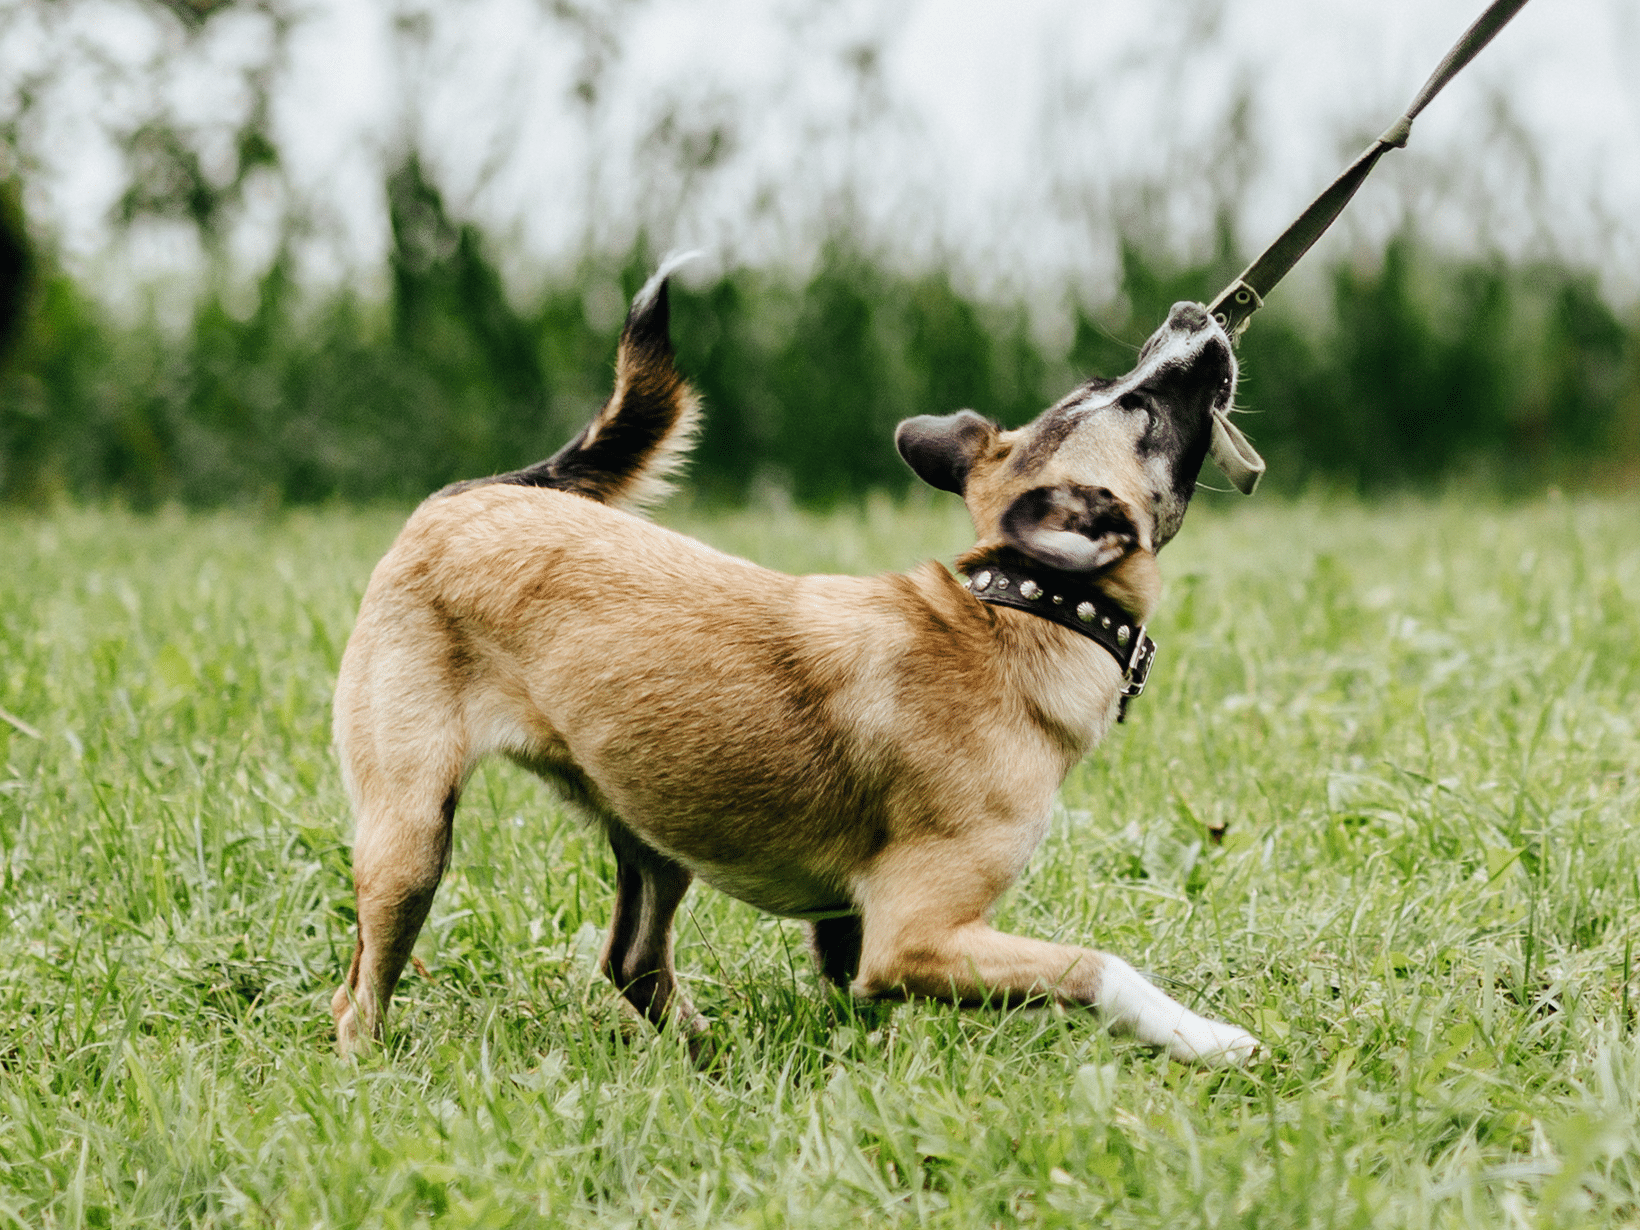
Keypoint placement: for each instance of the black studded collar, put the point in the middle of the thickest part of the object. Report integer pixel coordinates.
(1077, 606)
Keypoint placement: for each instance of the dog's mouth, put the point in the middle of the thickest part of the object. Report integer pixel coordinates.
(1191, 328)
(1186, 379)
(1190, 341)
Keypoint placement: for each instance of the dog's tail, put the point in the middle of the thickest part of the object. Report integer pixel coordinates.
(642, 435)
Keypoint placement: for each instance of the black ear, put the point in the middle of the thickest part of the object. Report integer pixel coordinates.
(1074, 529)
(940, 449)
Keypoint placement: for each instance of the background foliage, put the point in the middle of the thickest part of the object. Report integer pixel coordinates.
(1409, 370)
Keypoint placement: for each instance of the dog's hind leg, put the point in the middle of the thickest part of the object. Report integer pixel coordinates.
(835, 943)
(399, 857)
(638, 954)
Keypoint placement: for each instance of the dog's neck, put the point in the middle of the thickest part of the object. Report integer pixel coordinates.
(1132, 584)
(1085, 606)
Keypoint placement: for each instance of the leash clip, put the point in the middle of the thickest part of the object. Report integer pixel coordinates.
(1233, 309)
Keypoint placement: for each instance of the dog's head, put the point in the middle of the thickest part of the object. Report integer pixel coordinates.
(1100, 482)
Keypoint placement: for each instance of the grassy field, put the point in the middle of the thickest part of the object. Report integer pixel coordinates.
(1379, 806)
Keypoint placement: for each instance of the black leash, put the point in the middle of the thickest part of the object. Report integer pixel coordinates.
(1238, 301)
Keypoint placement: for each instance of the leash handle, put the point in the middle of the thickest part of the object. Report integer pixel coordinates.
(1238, 301)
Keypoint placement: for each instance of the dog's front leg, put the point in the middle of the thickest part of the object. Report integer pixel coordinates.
(925, 934)
(638, 954)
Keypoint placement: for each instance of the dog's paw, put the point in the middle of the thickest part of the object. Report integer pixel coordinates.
(354, 1038)
(1214, 1043)
(351, 1041)
(709, 1053)
(1132, 1004)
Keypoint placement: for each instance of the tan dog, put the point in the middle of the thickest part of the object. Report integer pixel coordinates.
(876, 755)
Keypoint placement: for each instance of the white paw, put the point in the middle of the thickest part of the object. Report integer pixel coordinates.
(1133, 1005)
(1199, 1040)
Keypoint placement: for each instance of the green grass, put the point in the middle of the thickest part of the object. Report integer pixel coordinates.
(1416, 725)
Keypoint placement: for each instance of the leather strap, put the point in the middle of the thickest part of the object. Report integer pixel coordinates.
(1076, 605)
(1234, 454)
(1246, 294)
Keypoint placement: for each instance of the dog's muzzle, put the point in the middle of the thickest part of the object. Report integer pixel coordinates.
(1229, 449)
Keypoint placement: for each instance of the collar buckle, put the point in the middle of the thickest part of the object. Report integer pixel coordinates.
(1138, 665)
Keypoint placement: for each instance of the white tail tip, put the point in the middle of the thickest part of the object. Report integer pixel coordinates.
(651, 288)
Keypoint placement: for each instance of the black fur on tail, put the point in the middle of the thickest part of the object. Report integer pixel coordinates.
(642, 435)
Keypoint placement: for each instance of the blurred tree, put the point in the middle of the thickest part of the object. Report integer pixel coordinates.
(1409, 369)
(450, 310)
(1586, 355)
(1150, 285)
(165, 160)
(16, 267)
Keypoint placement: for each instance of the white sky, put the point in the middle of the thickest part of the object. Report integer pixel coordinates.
(1005, 137)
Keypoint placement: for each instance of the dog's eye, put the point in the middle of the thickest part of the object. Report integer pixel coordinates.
(1133, 401)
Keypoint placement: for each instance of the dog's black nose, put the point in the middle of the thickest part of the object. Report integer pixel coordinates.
(1191, 316)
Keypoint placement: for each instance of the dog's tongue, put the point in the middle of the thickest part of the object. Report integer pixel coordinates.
(1234, 455)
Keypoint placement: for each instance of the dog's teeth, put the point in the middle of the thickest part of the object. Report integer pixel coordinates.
(1085, 612)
